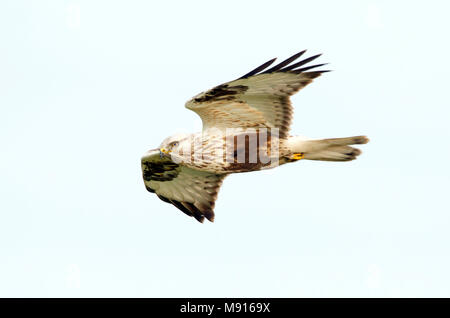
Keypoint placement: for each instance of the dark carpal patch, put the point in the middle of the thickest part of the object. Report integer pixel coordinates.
(160, 171)
(221, 92)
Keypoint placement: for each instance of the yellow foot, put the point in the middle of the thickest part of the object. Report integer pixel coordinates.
(298, 156)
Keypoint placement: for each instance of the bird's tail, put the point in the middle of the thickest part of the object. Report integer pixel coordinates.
(334, 149)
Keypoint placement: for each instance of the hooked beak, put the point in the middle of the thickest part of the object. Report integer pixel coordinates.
(162, 152)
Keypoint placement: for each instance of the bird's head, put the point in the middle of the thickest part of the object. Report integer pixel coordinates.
(171, 145)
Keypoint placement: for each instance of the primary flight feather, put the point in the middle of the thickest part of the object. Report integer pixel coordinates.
(246, 126)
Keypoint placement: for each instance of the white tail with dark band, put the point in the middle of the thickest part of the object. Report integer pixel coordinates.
(334, 149)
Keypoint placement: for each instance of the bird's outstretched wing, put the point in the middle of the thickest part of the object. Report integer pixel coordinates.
(258, 99)
(192, 191)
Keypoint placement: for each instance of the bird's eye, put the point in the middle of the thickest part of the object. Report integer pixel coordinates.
(175, 144)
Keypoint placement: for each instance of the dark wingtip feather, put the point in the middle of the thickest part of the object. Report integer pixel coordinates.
(303, 69)
(302, 62)
(284, 63)
(285, 67)
(313, 74)
(209, 214)
(259, 68)
(182, 207)
(199, 217)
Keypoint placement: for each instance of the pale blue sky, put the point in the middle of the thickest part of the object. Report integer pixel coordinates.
(88, 86)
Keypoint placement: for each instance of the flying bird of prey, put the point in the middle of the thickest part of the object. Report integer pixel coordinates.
(245, 128)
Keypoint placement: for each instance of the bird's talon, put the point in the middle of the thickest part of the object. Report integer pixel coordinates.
(298, 156)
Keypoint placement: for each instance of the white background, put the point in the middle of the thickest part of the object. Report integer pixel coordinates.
(86, 87)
